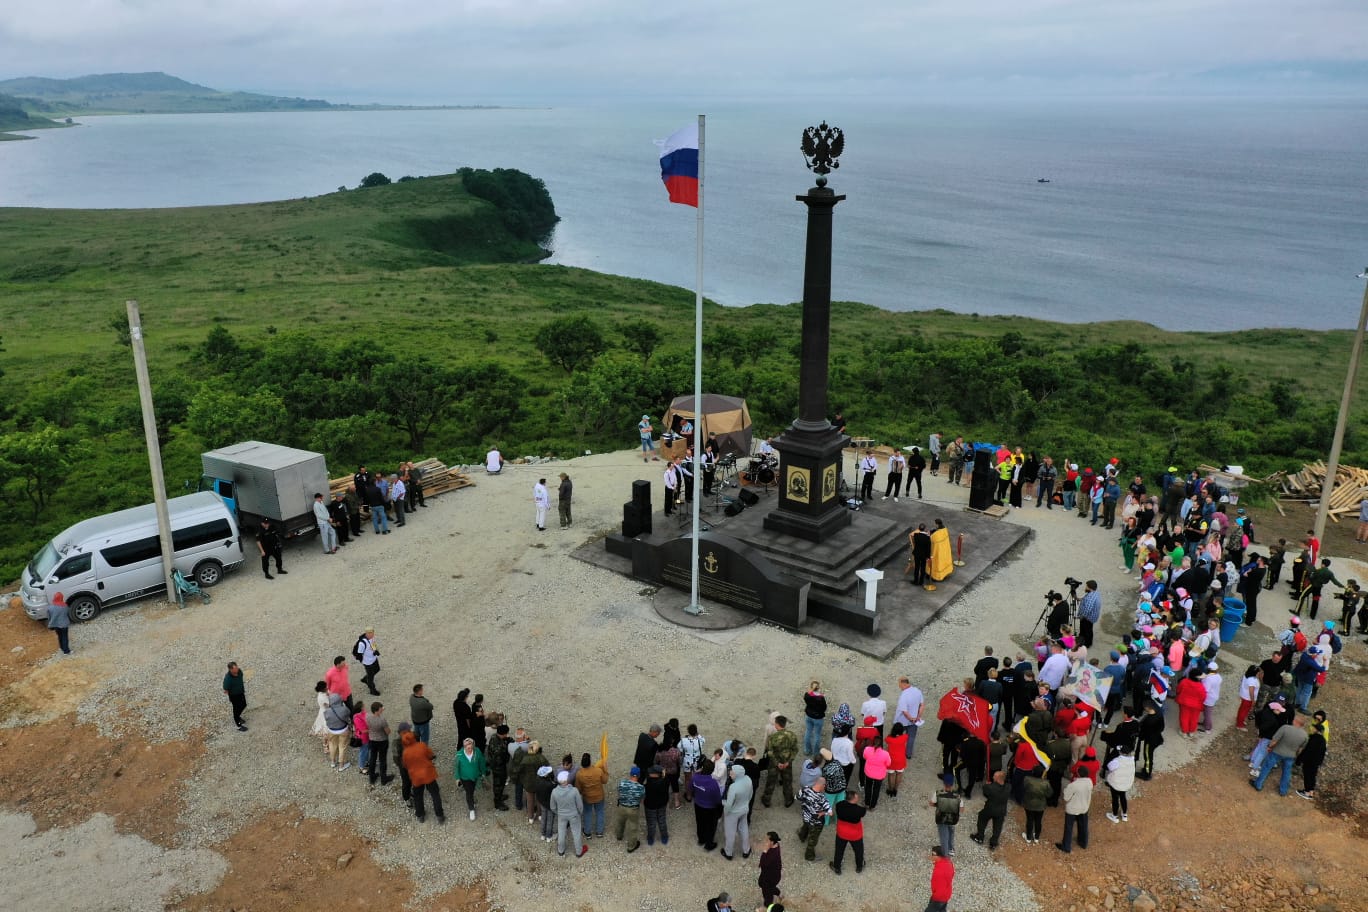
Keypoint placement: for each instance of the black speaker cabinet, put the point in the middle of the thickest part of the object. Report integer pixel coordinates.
(641, 495)
(749, 498)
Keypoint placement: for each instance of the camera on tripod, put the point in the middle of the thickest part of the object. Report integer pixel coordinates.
(1072, 583)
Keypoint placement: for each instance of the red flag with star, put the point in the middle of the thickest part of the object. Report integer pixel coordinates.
(969, 712)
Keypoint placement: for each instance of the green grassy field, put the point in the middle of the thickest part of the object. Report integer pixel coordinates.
(423, 268)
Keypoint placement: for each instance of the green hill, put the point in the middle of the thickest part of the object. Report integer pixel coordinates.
(148, 93)
(412, 319)
(14, 117)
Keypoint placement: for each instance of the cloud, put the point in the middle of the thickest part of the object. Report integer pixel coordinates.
(463, 48)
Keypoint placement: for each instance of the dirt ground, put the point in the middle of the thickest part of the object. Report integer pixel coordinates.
(290, 861)
(309, 866)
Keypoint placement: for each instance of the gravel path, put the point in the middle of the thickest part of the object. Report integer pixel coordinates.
(469, 594)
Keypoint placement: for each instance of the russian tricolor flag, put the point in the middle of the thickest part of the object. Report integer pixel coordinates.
(679, 165)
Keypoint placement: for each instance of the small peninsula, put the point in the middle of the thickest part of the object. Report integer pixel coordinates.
(34, 102)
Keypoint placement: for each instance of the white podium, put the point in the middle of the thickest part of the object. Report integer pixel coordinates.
(870, 578)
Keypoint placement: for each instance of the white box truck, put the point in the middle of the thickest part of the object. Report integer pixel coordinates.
(258, 480)
(116, 558)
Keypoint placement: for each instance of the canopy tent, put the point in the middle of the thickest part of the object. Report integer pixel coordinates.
(725, 417)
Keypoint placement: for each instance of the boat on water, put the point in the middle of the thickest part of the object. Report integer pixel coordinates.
(1042, 180)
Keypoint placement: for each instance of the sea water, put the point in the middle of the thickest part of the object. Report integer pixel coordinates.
(1207, 214)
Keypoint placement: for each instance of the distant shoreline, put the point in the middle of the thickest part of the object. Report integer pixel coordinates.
(331, 109)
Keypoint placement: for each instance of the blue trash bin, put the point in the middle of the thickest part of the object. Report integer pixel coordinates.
(1232, 619)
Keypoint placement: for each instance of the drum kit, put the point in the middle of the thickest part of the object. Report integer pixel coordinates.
(763, 471)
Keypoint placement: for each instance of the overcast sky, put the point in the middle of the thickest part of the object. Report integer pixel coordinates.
(466, 51)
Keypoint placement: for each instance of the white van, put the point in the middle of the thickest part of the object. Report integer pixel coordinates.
(116, 558)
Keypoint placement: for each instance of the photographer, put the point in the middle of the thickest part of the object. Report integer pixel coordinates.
(1058, 614)
(1089, 613)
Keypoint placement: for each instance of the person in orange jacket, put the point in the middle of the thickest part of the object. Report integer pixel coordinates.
(422, 773)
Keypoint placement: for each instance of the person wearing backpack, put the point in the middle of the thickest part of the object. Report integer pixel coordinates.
(948, 806)
(365, 652)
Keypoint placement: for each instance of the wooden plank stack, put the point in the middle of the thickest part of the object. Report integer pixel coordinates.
(1350, 487)
(437, 479)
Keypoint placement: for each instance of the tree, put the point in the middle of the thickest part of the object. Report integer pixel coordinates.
(489, 398)
(758, 341)
(608, 394)
(350, 439)
(414, 392)
(36, 462)
(220, 417)
(570, 342)
(220, 350)
(62, 404)
(374, 179)
(642, 337)
(118, 321)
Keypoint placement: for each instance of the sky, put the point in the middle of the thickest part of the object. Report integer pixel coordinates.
(473, 51)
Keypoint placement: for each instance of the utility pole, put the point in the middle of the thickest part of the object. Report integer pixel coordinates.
(1332, 465)
(149, 417)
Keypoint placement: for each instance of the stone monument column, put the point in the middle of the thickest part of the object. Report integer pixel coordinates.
(810, 451)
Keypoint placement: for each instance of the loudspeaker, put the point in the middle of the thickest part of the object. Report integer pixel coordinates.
(734, 507)
(631, 521)
(983, 481)
(641, 495)
(749, 498)
(635, 521)
(980, 498)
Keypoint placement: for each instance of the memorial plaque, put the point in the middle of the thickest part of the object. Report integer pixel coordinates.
(798, 484)
(730, 572)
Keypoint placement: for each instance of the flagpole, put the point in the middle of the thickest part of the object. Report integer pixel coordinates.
(694, 607)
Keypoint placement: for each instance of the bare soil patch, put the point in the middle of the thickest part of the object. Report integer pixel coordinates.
(286, 860)
(27, 644)
(62, 772)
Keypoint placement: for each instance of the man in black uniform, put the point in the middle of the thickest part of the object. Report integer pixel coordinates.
(268, 543)
(340, 517)
(1316, 582)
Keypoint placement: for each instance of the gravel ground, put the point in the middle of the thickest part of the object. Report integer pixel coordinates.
(469, 594)
(93, 867)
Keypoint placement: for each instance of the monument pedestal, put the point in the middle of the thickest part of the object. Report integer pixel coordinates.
(809, 505)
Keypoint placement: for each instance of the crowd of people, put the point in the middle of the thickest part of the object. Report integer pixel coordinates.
(833, 781)
(1049, 724)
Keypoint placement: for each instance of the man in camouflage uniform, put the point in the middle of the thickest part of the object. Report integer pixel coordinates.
(781, 748)
(816, 810)
(954, 461)
(497, 757)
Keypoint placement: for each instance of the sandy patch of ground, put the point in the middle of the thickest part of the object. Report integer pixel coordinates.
(286, 860)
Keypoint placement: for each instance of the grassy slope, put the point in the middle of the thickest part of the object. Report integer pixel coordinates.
(351, 264)
(361, 260)
(361, 263)
(13, 117)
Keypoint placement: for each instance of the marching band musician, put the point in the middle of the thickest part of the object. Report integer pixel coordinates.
(686, 470)
(671, 485)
